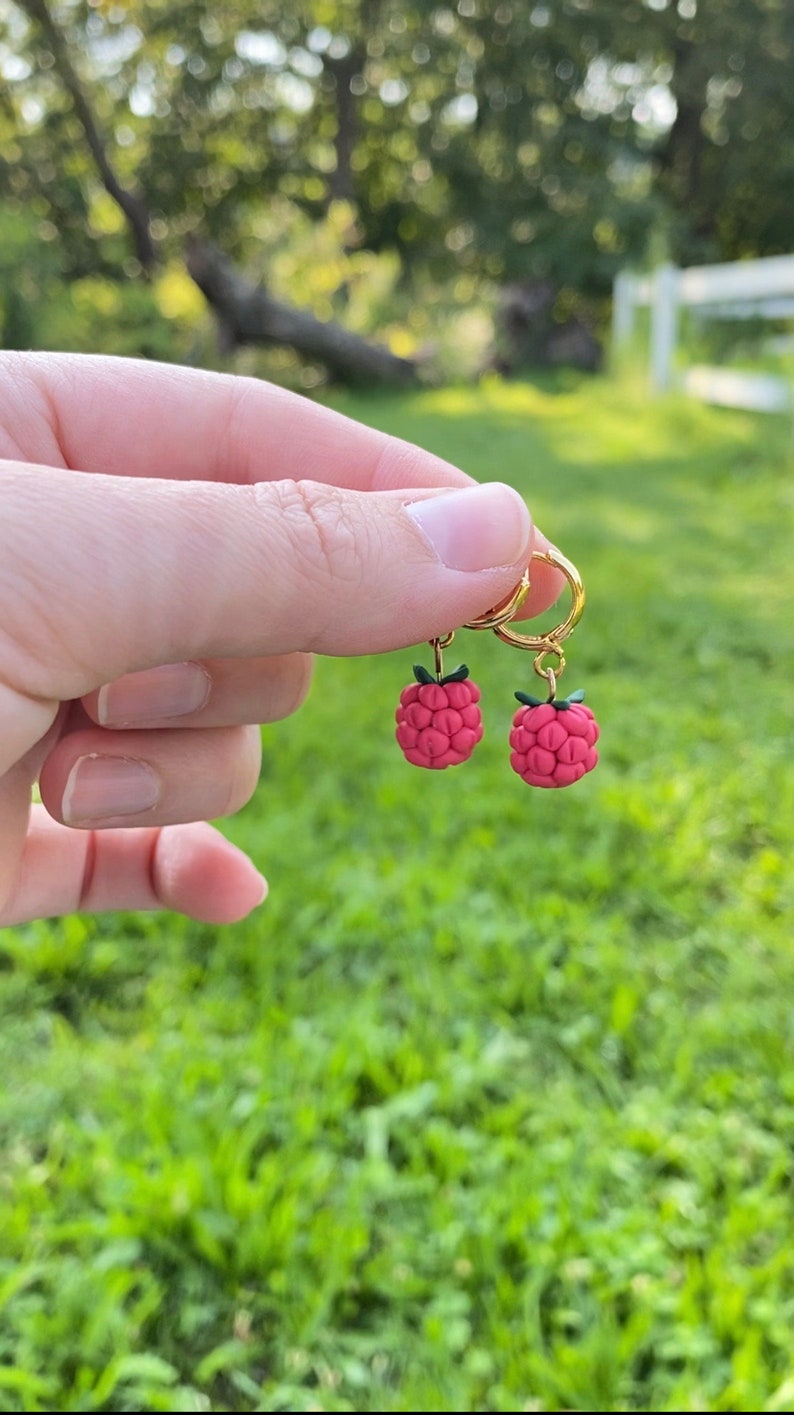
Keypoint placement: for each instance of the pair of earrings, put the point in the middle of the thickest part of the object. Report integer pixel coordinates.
(553, 742)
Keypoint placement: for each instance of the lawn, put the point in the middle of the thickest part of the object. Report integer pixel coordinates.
(491, 1106)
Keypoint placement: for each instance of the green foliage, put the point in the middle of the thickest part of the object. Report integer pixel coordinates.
(318, 264)
(92, 313)
(495, 141)
(491, 1107)
(754, 344)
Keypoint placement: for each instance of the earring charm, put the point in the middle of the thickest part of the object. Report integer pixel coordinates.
(553, 742)
(438, 721)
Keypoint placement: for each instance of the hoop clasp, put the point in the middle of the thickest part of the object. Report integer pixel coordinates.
(550, 641)
(505, 610)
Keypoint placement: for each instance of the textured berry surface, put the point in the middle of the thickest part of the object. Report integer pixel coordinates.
(553, 746)
(439, 724)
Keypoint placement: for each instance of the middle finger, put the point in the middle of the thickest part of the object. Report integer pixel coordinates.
(216, 692)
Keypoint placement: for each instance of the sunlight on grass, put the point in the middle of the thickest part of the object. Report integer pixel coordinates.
(597, 420)
(491, 1107)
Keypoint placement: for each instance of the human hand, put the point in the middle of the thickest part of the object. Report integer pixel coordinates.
(152, 609)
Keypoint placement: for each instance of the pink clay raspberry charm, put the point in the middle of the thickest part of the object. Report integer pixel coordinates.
(553, 742)
(438, 721)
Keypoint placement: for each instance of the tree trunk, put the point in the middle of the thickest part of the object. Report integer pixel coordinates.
(343, 71)
(528, 336)
(249, 315)
(681, 156)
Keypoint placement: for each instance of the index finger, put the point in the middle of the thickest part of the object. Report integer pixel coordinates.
(125, 417)
(130, 418)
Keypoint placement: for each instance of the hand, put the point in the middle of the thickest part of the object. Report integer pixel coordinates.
(174, 546)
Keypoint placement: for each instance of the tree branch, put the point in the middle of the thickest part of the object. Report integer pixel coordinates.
(132, 204)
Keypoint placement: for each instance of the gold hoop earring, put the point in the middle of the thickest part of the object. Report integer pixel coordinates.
(553, 743)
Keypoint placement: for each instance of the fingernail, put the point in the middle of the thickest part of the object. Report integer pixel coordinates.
(479, 528)
(100, 788)
(153, 694)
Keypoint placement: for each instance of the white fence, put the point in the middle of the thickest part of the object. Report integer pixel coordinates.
(738, 290)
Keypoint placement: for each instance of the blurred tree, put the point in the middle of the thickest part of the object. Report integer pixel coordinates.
(714, 78)
(504, 141)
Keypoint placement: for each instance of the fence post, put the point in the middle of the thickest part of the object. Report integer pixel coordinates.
(664, 326)
(623, 310)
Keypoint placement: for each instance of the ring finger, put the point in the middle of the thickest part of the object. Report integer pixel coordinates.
(94, 779)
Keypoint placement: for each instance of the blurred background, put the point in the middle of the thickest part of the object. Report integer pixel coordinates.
(491, 1106)
(461, 183)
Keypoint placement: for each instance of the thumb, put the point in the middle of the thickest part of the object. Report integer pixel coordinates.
(102, 575)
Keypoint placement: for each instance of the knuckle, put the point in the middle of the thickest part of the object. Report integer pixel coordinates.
(322, 535)
(324, 549)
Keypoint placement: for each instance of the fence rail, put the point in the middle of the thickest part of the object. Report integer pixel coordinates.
(742, 289)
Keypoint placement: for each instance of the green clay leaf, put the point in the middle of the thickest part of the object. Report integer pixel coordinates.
(565, 703)
(528, 700)
(457, 676)
(422, 676)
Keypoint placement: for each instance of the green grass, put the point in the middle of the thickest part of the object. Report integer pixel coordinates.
(491, 1108)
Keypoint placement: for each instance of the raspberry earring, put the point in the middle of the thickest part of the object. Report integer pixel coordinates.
(553, 742)
(438, 721)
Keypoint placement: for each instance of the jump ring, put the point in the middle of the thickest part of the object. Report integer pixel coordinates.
(550, 673)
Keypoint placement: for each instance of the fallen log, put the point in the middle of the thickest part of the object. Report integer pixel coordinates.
(248, 314)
